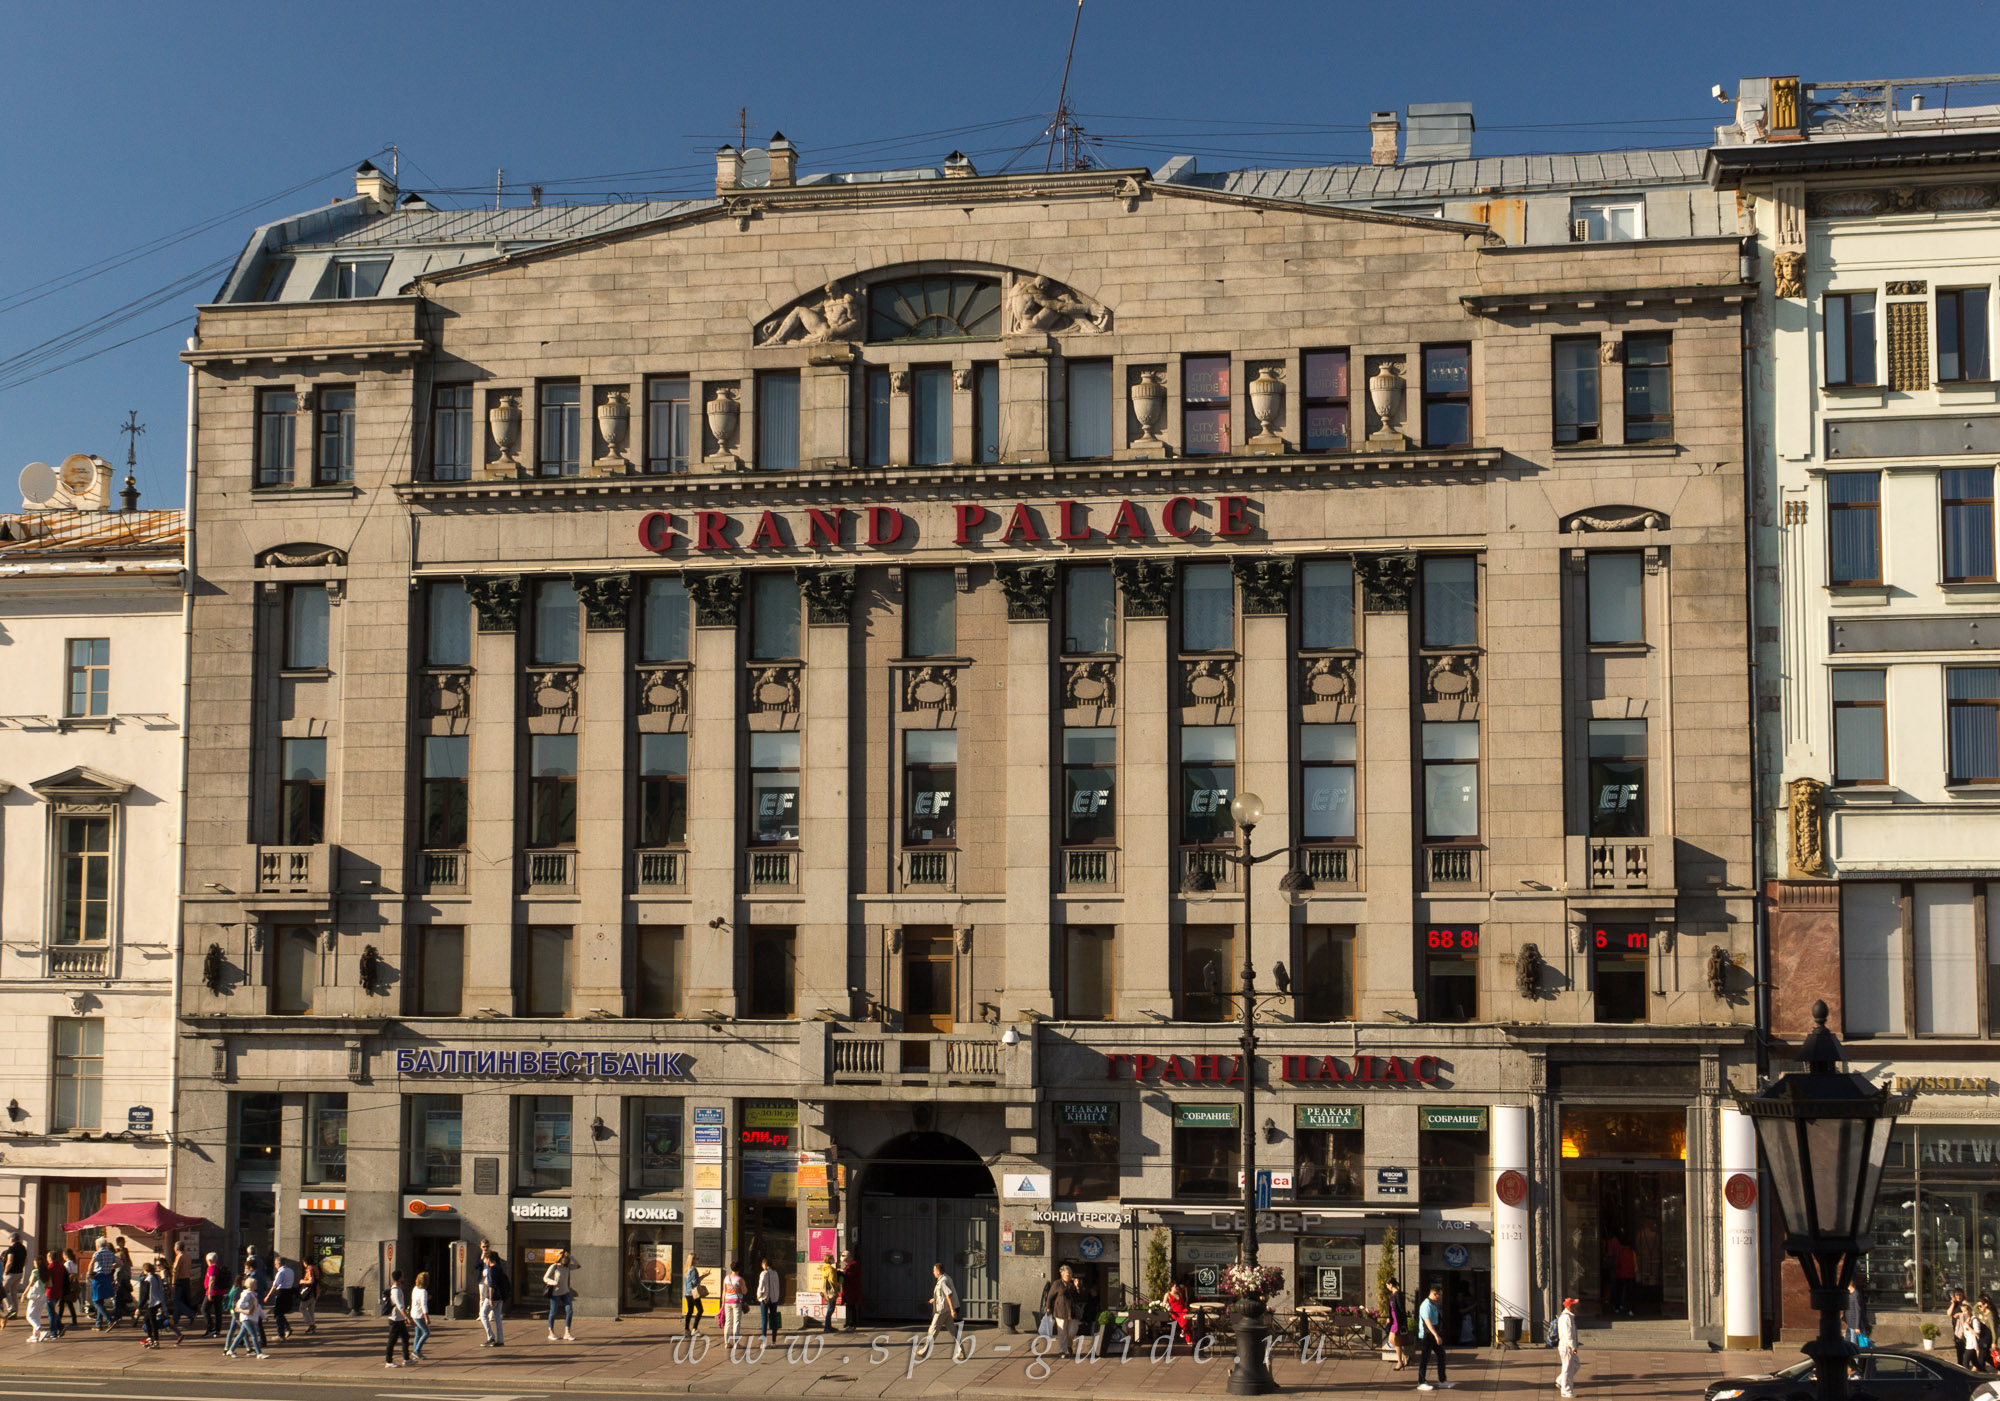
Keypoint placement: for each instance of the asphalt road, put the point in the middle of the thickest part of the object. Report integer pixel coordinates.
(248, 1386)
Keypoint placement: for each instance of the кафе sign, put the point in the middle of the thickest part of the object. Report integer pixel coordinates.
(973, 523)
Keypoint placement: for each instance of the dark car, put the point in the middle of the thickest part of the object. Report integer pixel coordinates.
(1883, 1373)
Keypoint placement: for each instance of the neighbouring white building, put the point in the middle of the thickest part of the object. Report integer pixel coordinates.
(91, 648)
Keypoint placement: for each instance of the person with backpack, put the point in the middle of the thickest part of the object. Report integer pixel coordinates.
(1565, 1330)
(493, 1292)
(691, 1299)
(399, 1322)
(562, 1298)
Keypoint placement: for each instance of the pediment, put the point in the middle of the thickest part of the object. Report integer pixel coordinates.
(81, 784)
(916, 303)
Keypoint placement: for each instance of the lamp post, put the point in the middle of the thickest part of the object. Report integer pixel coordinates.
(1825, 1136)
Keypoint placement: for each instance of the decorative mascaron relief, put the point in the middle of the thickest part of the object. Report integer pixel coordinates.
(1451, 684)
(775, 689)
(1788, 274)
(1327, 681)
(552, 692)
(1904, 199)
(445, 695)
(1808, 827)
(930, 688)
(664, 690)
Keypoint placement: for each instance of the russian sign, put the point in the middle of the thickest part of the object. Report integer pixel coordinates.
(1392, 1182)
(1300, 1070)
(1452, 1118)
(651, 1213)
(1205, 1116)
(544, 1065)
(1094, 1116)
(534, 1209)
(1027, 1186)
(1086, 1216)
(1326, 1116)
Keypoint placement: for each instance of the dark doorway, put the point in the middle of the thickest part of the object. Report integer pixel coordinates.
(928, 1197)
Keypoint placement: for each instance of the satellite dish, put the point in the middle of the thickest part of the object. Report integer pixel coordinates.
(38, 483)
(79, 471)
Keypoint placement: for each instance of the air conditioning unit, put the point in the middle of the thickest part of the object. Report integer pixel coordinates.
(1579, 231)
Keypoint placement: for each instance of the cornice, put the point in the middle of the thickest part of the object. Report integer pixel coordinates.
(1609, 299)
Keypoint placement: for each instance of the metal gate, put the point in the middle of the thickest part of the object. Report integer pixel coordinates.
(901, 1236)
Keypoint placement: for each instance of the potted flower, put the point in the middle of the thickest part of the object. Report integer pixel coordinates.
(1251, 1286)
(1929, 1333)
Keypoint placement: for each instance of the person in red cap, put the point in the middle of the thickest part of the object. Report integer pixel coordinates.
(1566, 1349)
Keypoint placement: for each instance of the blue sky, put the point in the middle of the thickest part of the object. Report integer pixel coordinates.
(146, 140)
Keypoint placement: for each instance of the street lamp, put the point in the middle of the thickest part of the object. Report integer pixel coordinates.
(1825, 1136)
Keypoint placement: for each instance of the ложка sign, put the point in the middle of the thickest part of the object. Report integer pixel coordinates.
(544, 1065)
(651, 1213)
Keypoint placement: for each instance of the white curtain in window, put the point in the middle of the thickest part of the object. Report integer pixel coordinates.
(1871, 938)
(1947, 990)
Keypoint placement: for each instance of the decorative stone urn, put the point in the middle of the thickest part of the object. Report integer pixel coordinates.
(614, 425)
(503, 419)
(1149, 404)
(724, 416)
(1267, 402)
(1386, 389)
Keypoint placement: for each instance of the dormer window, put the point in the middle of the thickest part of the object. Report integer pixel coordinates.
(947, 307)
(346, 278)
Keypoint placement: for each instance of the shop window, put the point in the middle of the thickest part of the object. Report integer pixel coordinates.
(1208, 783)
(1452, 1163)
(1850, 337)
(1937, 1201)
(1326, 782)
(77, 1083)
(433, 1139)
(326, 1139)
(774, 615)
(1854, 528)
(1966, 503)
(1208, 608)
(1614, 583)
(1089, 978)
(1649, 388)
(542, 970)
(542, 1157)
(1326, 605)
(653, 1138)
(1326, 407)
(1871, 959)
(1944, 945)
(277, 427)
(83, 903)
(1333, 1272)
(1205, 405)
(556, 638)
(878, 408)
(1208, 1152)
(1618, 971)
(657, 951)
(334, 461)
(1860, 726)
(307, 620)
(986, 413)
(1659, 1134)
(1617, 778)
(1090, 409)
(930, 416)
(435, 975)
(1447, 390)
(1451, 780)
(1450, 600)
(447, 760)
(1576, 394)
(667, 424)
(452, 443)
(1199, 1262)
(559, 445)
(294, 970)
(1207, 972)
(774, 787)
(1962, 335)
(1328, 1165)
(778, 420)
(1090, 779)
(89, 677)
(1325, 982)
(448, 625)
(260, 1126)
(930, 613)
(1086, 1151)
(1089, 610)
(302, 792)
(1972, 713)
(773, 973)
(663, 785)
(1451, 973)
(930, 784)
(663, 621)
(551, 791)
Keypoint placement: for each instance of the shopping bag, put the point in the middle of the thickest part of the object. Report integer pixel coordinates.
(1048, 1328)
(1863, 1340)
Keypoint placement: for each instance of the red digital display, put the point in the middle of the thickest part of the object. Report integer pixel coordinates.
(1623, 940)
(1458, 939)
(765, 1138)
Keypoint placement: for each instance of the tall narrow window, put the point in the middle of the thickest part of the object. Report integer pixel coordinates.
(302, 792)
(447, 761)
(1617, 778)
(543, 1143)
(930, 787)
(551, 791)
(294, 970)
(1962, 335)
(930, 613)
(1451, 780)
(1090, 783)
(260, 1130)
(656, 970)
(437, 971)
(326, 1139)
(1942, 946)
(986, 413)
(1326, 770)
(334, 461)
(556, 639)
(774, 615)
(1451, 973)
(1649, 387)
(773, 972)
(1205, 405)
(1618, 972)
(1330, 1168)
(1208, 608)
(85, 913)
(559, 445)
(663, 621)
(307, 621)
(277, 427)
(78, 1082)
(1089, 409)
(1326, 406)
(1576, 392)
(774, 788)
(1450, 601)
(930, 416)
(1871, 959)
(1453, 1164)
(542, 976)
(1850, 338)
(667, 422)
(1854, 525)
(448, 626)
(89, 676)
(1447, 395)
(778, 420)
(653, 1130)
(434, 1142)
(878, 418)
(1967, 499)
(663, 780)
(1090, 601)
(1088, 977)
(1208, 782)
(1207, 972)
(1615, 583)
(1086, 1157)
(1326, 604)
(452, 443)
(1860, 726)
(1326, 987)
(1972, 706)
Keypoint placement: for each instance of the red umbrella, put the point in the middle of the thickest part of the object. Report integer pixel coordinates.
(149, 1217)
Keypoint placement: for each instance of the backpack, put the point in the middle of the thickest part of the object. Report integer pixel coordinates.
(1549, 1334)
(503, 1287)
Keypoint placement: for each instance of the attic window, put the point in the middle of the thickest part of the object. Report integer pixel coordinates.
(271, 285)
(352, 277)
(934, 308)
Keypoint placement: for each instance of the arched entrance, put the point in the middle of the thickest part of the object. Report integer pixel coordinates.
(928, 1197)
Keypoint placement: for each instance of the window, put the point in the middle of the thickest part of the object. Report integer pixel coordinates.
(1328, 1166)
(555, 624)
(986, 413)
(772, 972)
(271, 284)
(941, 307)
(541, 980)
(774, 615)
(260, 1127)
(1850, 338)
(663, 621)
(878, 418)
(1617, 778)
(89, 676)
(1451, 601)
(78, 1099)
(1962, 335)
(446, 765)
(1326, 783)
(653, 1131)
(1967, 499)
(1649, 388)
(1614, 582)
(1871, 959)
(1208, 608)
(1326, 406)
(326, 1139)
(559, 446)
(302, 792)
(85, 913)
(1089, 610)
(1205, 405)
(930, 416)
(1208, 782)
(448, 630)
(1618, 971)
(1332, 1272)
(774, 787)
(437, 970)
(308, 618)
(778, 420)
(294, 970)
(551, 791)
(663, 781)
(1452, 1157)
(333, 463)
(1947, 973)
(1208, 972)
(1451, 973)
(1089, 977)
(352, 277)
(1451, 780)
(927, 982)
(656, 970)
(1854, 517)
(1090, 782)
(1208, 1152)
(542, 1158)
(1086, 1151)
(1447, 395)
(452, 443)
(277, 413)
(1089, 409)
(667, 425)
(930, 613)
(1972, 704)
(433, 1139)
(1326, 986)
(1576, 389)
(930, 783)
(1326, 604)
(1860, 727)
(1607, 220)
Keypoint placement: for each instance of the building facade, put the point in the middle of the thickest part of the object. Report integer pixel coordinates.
(779, 667)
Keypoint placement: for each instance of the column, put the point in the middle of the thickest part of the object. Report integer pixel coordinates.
(715, 830)
(1146, 847)
(598, 949)
(1263, 703)
(823, 825)
(1033, 947)
(492, 845)
(1742, 1304)
(1513, 1287)
(1391, 793)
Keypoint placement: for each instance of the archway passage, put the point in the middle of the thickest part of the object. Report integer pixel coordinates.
(928, 1197)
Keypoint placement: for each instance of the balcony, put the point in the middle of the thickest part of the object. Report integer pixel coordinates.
(442, 870)
(773, 871)
(661, 869)
(1090, 868)
(551, 870)
(1210, 867)
(77, 962)
(933, 870)
(1629, 863)
(868, 1057)
(1453, 868)
(1331, 865)
(294, 870)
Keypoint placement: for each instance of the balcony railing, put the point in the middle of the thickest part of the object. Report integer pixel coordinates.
(1452, 866)
(930, 868)
(1213, 863)
(292, 870)
(1621, 863)
(551, 868)
(83, 962)
(774, 870)
(662, 868)
(443, 870)
(1089, 866)
(1331, 865)
(914, 1055)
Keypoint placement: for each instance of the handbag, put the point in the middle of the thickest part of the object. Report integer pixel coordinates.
(1863, 1340)
(1048, 1326)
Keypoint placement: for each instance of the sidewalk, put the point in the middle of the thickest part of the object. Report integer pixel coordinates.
(647, 1355)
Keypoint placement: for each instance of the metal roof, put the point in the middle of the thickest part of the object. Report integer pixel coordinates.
(539, 224)
(35, 535)
(1342, 184)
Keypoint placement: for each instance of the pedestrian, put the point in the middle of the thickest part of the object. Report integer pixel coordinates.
(399, 1322)
(1955, 1315)
(732, 1303)
(944, 1310)
(769, 1287)
(152, 1303)
(72, 1289)
(1062, 1301)
(214, 1286)
(420, 1314)
(55, 1288)
(103, 1285)
(691, 1299)
(1854, 1323)
(492, 1297)
(309, 1295)
(850, 1289)
(181, 1303)
(1984, 1356)
(37, 1303)
(562, 1298)
(14, 1273)
(125, 1304)
(249, 1327)
(282, 1296)
(828, 1280)
(1399, 1325)
(1566, 1349)
(1430, 1338)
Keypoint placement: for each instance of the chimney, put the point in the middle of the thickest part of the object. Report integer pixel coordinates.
(1439, 131)
(728, 169)
(1382, 130)
(957, 166)
(371, 184)
(784, 160)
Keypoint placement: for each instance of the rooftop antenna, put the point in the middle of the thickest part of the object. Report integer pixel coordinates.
(499, 176)
(131, 428)
(742, 128)
(395, 165)
(1064, 128)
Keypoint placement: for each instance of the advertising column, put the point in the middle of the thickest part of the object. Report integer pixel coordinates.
(1742, 1313)
(1511, 1276)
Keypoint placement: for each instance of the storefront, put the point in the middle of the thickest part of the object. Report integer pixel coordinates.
(1199, 1261)
(1332, 1270)
(1941, 1198)
(323, 1242)
(541, 1236)
(1625, 1211)
(650, 1279)
(767, 1193)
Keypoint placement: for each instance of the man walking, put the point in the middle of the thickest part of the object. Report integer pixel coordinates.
(1566, 1349)
(944, 1311)
(14, 1271)
(769, 1286)
(399, 1321)
(1430, 1337)
(492, 1298)
(283, 1296)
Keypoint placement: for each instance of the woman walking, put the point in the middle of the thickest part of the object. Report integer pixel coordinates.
(562, 1298)
(309, 1294)
(36, 1302)
(732, 1303)
(248, 1311)
(691, 1299)
(56, 1270)
(1983, 1358)
(214, 1288)
(420, 1314)
(152, 1296)
(1399, 1325)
